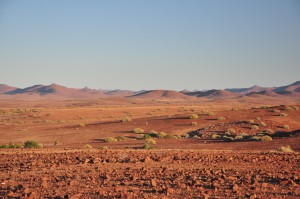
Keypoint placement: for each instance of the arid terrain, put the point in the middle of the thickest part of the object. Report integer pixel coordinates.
(152, 144)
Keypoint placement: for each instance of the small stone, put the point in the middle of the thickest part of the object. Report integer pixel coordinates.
(235, 188)
(147, 159)
(153, 183)
(32, 195)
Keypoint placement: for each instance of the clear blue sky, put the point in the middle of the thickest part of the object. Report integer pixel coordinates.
(139, 44)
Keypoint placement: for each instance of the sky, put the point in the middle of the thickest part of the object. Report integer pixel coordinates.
(154, 44)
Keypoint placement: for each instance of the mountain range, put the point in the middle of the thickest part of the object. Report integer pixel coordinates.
(58, 91)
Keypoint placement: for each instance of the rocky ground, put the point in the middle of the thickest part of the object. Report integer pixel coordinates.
(157, 173)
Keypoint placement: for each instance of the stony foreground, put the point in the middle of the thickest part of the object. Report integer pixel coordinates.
(148, 174)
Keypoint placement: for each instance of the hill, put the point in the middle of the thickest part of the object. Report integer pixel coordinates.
(157, 94)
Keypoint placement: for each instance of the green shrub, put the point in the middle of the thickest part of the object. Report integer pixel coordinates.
(81, 125)
(146, 136)
(215, 136)
(251, 121)
(138, 130)
(286, 126)
(221, 118)
(150, 141)
(270, 131)
(4, 146)
(10, 146)
(194, 123)
(147, 146)
(103, 147)
(110, 139)
(32, 144)
(286, 149)
(120, 138)
(295, 108)
(162, 135)
(262, 124)
(266, 138)
(87, 146)
(282, 114)
(230, 131)
(126, 119)
(239, 137)
(226, 138)
(193, 116)
(254, 127)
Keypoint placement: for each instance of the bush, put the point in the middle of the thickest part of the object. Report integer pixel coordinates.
(87, 146)
(138, 130)
(239, 137)
(221, 118)
(150, 141)
(110, 139)
(254, 127)
(282, 114)
(295, 108)
(194, 123)
(162, 135)
(10, 146)
(120, 138)
(286, 149)
(81, 125)
(266, 138)
(286, 127)
(269, 131)
(226, 138)
(147, 146)
(251, 121)
(262, 124)
(146, 136)
(32, 144)
(215, 136)
(230, 130)
(126, 119)
(193, 116)
(103, 147)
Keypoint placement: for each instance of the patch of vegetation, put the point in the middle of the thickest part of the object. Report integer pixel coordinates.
(81, 125)
(120, 138)
(215, 136)
(251, 121)
(230, 131)
(193, 116)
(286, 126)
(138, 130)
(103, 147)
(147, 146)
(254, 127)
(262, 124)
(32, 144)
(221, 118)
(162, 135)
(295, 108)
(150, 141)
(282, 115)
(110, 139)
(126, 119)
(286, 149)
(10, 146)
(87, 146)
(146, 136)
(194, 123)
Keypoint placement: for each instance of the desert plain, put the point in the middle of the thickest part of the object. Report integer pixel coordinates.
(164, 145)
